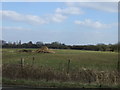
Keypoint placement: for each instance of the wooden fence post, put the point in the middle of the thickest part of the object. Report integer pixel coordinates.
(22, 62)
(118, 66)
(118, 61)
(68, 66)
(22, 65)
(33, 60)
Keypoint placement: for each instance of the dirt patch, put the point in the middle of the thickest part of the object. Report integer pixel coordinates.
(44, 49)
(25, 50)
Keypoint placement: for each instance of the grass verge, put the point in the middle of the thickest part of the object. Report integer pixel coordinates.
(51, 84)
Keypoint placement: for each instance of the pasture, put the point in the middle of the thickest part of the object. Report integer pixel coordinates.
(88, 59)
(84, 67)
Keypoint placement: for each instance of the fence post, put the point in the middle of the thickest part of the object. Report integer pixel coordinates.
(22, 62)
(22, 65)
(118, 66)
(33, 60)
(68, 66)
(118, 61)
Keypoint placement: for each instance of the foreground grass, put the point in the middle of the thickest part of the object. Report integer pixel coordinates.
(52, 84)
(84, 76)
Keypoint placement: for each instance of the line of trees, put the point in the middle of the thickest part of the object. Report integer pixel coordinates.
(57, 45)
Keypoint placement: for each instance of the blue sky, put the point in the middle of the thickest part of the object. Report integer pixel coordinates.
(69, 23)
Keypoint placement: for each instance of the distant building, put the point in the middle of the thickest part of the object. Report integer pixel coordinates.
(2, 42)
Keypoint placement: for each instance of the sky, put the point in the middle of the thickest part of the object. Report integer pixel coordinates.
(72, 23)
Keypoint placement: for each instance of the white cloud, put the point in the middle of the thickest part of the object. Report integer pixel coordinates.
(14, 28)
(58, 18)
(108, 7)
(35, 19)
(32, 19)
(12, 15)
(102, 6)
(69, 10)
(93, 24)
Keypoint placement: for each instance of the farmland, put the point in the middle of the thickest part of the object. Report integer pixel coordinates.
(56, 65)
(89, 59)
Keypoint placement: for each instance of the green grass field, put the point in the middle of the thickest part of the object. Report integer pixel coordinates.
(87, 59)
(86, 68)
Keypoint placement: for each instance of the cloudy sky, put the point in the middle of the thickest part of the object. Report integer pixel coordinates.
(69, 23)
